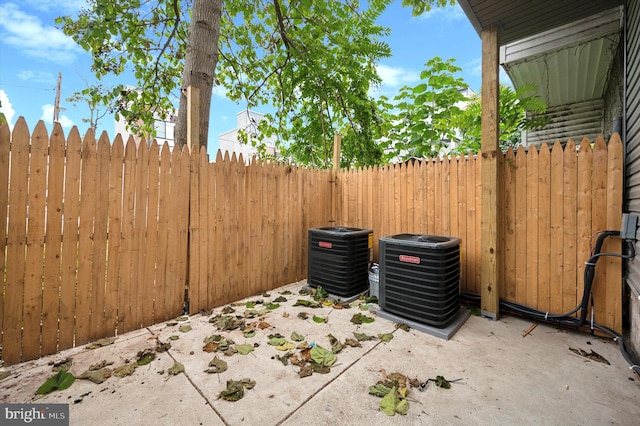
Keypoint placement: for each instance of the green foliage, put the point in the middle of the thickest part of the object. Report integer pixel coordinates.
(61, 381)
(514, 105)
(419, 121)
(314, 62)
(421, 6)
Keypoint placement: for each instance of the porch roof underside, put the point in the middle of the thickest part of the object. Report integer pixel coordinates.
(546, 34)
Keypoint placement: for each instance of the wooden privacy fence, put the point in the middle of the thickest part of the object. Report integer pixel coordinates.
(105, 237)
(552, 203)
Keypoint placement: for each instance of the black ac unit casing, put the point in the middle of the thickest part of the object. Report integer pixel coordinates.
(420, 277)
(339, 259)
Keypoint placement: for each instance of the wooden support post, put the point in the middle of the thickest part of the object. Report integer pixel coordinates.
(337, 141)
(193, 118)
(490, 269)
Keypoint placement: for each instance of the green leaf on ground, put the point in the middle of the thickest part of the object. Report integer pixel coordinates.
(403, 326)
(250, 305)
(303, 315)
(297, 337)
(320, 294)
(176, 369)
(391, 403)
(279, 299)
(125, 370)
(216, 365)
(276, 340)
(322, 356)
(286, 346)
(336, 346)
(235, 389)
(319, 320)
(272, 306)
(145, 357)
(385, 337)
(361, 319)
(307, 303)
(379, 390)
(441, 382)
(185, 328)
(244, 349)
(286, 292)
(362, 337)
(61, 381)
(249, 334)
(96, 376)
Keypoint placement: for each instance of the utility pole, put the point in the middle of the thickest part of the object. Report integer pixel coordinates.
(56, 105)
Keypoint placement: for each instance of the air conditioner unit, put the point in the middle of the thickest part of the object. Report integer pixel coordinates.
(420, 277)
(339, 259)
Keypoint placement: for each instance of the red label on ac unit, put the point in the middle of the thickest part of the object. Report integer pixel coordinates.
(409, 259)
(325, 244)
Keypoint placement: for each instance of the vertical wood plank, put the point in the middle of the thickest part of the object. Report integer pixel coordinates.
(182, 220)
(193, 287)
(88, 198)
(544, 228)
(444, 197)
(114, 230)
(144, 300)
(614, 245)
(35, 242)
(533, 218)
(150, 253)
(5, 145)
(161, 308)
(127, 297)
(521, 238)
(71, 213)
(98, 327)
(473, 234)
(557, 234)
(14, 291)
(583, 213)
(569, 296)
(202, 250)
(508, 291)
(53, 247)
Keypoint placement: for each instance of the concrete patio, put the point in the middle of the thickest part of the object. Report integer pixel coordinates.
(505, 378)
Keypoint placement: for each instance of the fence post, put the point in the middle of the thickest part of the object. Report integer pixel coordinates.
(489, 267)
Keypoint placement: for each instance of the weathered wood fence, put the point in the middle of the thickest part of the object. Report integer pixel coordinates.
(105, 237)
(552, 203)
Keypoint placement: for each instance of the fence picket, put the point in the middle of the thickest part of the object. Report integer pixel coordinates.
(53, 243)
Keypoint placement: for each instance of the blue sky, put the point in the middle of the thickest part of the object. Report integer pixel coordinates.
(33, 51)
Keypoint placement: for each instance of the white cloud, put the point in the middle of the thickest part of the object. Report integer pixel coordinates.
(37, 76)
(58, 6)
(224, 118)
(396, 77)
(445, 14)
(219, 91)
(6, 108)
(47, 117)
(27, 33)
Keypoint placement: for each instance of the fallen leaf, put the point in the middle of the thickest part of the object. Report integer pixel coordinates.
(322, 356)
(320, 293)
(63, 365)
(403, 326)
(297, 337)
(228, 310)
(385, 337)
(319, 320)
(125, 370)
(249, 334)
(279, 299)
(263, 324)
(441, 382)
(594, 356)
(284, 359)
(307, 303)
(361, 319)
(303, 315)
(286, 292)
(235, 389)
(162, 347)
(285, 315)
(295, 360)
(391, 403)
(286, 346)
(336, 346)
(211, 347)
(145, 357)
(176, 369)
(305, 371)
(185, 328)
(250, 305)
(379, 389)
(101, 343)
(61, 381)
(174, 337)
(244, 349)
(217, 365)
(99, 365)
(230, 351)
(276, 340)
(352, 342)
(362, 337)
(96, 376)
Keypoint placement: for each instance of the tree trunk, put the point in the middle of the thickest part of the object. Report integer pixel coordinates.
(200, 63)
